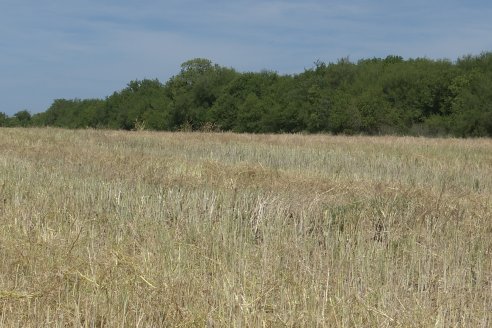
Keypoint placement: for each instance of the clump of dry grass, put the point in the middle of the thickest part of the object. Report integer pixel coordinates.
(106, 228)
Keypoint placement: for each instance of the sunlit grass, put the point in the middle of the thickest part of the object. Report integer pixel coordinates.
(107, 229)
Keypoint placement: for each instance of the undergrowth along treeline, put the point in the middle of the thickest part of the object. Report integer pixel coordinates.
(115, 229)
(372, 96)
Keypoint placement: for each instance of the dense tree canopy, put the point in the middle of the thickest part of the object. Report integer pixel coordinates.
(371, 96)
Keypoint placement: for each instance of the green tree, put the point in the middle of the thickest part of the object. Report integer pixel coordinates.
(250, 114)
(372, 96)
(3, 119)
(377, 116)
(471, 105)
(194, 91)
(141, 101)
(344, 116)
(21, 118)
(247, 102)
(72, 114)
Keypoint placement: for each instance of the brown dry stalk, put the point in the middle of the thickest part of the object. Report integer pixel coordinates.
(154, 229)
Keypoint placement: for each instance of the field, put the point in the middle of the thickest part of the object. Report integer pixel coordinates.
(144, 229)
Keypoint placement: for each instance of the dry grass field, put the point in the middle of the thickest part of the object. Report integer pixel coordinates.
(145, 229)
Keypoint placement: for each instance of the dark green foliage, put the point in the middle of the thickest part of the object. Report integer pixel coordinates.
(139, 101)
(195, 90)
(71, 114)
(3, 119)
(21, 118)
(373, 96)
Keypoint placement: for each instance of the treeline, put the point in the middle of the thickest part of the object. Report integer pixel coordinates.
(371, 96)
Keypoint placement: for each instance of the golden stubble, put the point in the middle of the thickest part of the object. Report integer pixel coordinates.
(148, 229)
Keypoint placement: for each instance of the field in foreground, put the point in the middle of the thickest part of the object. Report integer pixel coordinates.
(141, 229)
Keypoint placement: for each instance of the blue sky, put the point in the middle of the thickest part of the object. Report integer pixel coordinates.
(88, 49)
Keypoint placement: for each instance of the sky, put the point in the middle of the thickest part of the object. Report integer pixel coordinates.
(53, 49)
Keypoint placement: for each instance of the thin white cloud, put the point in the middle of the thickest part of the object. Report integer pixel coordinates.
(90, 48)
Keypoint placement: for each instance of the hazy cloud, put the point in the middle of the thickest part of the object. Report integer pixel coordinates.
(74, 48)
